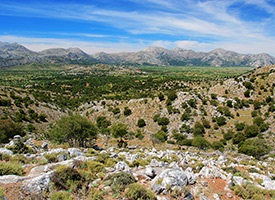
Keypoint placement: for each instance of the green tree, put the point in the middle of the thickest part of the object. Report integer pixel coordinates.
(102, 122)
(74, 129)
(127, 111)
(163, 121)
(247, 93)
(199, 129)
(239, 126)
(248, 85)
(254, 147)
(251, 131)
(141, 123)
(221, 120)
(200, 142)
(161, 136)
(238, 138)
(8, 129)
(161, 97)
(172, 95)
(119, 130)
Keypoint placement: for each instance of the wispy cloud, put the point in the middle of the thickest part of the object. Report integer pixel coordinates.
(187, 23)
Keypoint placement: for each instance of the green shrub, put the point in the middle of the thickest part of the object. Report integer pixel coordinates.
(247, 93)
(238, 137)
(239, 126)
(119, 181)
(20, 148)
(10, 168)
(8, 130)
(206, 123)
(67, 178)
(163, 121)
(161, 136)
(251, 131)
(221, 121)
(52, 158)
(172, 95)
(141, 123)
(213, 96)
(200, 142)
(185, 116)
(138, 192)
(254, 113)
(254, 147)
(228, 135)
(139, 162)
(61, 195)
(2, 193)
(127, 111)
(248, 85)
(199, 129)
(95, 195)
(217, 145)
(91, 169)
(161, 97)
(116, 111)
(139, 135)
(250, 191)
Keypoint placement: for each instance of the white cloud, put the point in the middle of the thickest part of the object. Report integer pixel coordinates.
(189, 20)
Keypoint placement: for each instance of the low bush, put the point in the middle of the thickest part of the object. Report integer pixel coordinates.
(61, 195)
(254, 147)
(10, 168)
(95, 195)
(90, 169)
(200, 142)
(119, 181)
(138, 192)
(67, 178)
(161, 136)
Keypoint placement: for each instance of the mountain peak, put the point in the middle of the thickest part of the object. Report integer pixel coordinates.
(16, 54)
(155, 49)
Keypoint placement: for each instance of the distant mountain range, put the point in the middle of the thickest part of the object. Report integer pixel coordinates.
(15, 54)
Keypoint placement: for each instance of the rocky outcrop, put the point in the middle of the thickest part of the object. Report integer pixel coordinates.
(174, 178)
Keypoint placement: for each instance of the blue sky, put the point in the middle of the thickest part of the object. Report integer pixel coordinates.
(245, 26)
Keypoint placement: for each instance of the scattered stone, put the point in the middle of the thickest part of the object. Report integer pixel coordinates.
(16, 137)
(216, 197)
(6, 151)
(150, 172)
(75, 152)
(203, 197)
(229, 195)
(155, 163)
(175, 178)
(212, 172)
(189, 196)
(38, 184)
(56, 151)
(45, 146)
(238, 180)
(122, 166)
(62, 157)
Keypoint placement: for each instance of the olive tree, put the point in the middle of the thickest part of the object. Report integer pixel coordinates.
(74, 129)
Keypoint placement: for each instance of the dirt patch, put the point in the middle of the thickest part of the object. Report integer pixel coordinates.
(217, 186)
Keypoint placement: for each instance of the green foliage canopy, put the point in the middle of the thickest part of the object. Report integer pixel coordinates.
(74, 129)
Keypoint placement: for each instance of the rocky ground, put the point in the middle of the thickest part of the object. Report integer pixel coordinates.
(191, 173)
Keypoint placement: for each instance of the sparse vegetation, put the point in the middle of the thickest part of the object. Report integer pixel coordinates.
(135, 107)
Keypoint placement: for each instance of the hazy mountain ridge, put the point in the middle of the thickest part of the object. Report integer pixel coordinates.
(15, 54)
